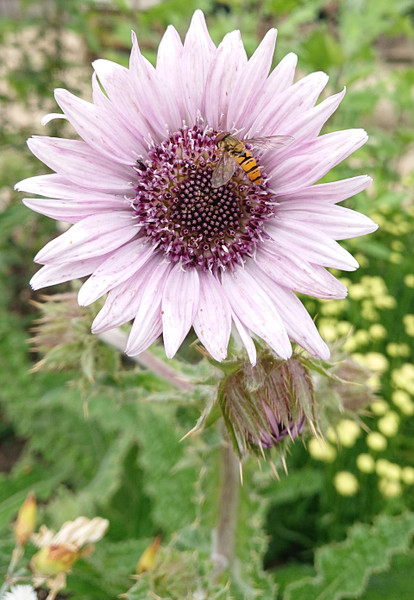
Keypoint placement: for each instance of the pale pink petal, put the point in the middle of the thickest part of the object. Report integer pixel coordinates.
(148, 320)
(332, 192)
(221, 80)
(116, 81)
(300, 327)
(294, 100)
(72, 211)
(334, 221)
(54, 274)
(255, 309)
(93, 236)
(309, 124)
(242, 333)
(76, 161)
(123, 301)
(179, 306)
(292, 271)
(199, 52)
(212, 321)
(301, 165)
(98, 128)
(120, 266)
(170, 68)
(251, 81)
(311, 244)
(152, 98)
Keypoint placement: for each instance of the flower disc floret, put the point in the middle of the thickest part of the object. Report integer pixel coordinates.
(185, 217)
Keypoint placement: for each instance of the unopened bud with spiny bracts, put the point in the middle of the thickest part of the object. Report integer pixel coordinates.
(147, 559)
(268, 403)
(26, 520)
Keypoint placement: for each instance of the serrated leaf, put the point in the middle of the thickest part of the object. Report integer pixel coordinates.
(343, 569)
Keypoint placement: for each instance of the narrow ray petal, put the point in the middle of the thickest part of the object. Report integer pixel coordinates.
(116, 81)
(199, 52)
(93, 236)
(291, 271)
(256, 310)
(71, 211)
(123, 301)
(294, 100)
(245, 338)
(298, 323)
(54, 274)
(179, 306)
(334, 221)
(212, 321)
(121, 265)
(299, 166)
(332, 192)
(98, 129)
(251, 81)
(221, 80)
(148, 320)
(313, 245)
(76, 161)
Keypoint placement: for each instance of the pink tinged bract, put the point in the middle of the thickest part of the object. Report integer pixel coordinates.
(212, 321)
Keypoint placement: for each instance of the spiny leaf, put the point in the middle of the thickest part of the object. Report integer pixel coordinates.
(343, 569)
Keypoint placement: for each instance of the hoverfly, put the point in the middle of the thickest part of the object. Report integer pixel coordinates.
(235, 152)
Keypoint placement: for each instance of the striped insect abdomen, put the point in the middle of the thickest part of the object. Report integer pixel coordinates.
(249, 165)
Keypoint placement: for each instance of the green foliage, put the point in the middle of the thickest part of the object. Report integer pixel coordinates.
(343, 569)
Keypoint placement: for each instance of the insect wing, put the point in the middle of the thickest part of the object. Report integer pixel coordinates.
(273, 142)
(223, 171)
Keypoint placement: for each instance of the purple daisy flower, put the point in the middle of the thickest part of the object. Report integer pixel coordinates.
(170, 249)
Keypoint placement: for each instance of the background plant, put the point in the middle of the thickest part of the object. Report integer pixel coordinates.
(102, 437)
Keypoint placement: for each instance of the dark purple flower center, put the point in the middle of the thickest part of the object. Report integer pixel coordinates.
(185, 217)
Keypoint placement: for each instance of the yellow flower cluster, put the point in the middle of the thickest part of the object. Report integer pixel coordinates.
(403, 378)
(346, 483)
(408, 321)
(345, 433)
(402, 400)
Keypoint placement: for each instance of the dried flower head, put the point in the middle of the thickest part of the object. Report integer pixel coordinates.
(183, 225)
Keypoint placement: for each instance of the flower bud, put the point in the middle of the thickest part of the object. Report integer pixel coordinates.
(54, 559)
(147, 558)
(265, 404)
(26, 520)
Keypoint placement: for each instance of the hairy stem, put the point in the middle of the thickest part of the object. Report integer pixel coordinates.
(118, 339)
(223, 546)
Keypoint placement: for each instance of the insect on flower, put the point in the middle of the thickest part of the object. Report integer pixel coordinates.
(235, 151)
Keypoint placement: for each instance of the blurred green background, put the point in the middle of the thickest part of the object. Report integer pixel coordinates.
(99, 438)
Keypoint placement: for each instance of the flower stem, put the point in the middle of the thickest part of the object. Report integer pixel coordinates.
(223, 546)
(118, 339)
